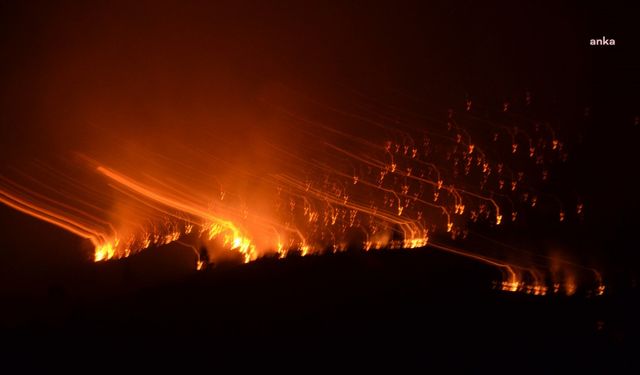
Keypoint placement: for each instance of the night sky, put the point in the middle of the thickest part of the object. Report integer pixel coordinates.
(69, 67)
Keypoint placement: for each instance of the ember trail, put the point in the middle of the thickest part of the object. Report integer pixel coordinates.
(394, 178)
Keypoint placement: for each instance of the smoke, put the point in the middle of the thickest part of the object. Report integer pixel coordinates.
(229, 128)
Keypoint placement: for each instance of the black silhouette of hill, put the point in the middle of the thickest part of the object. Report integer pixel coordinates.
(401, 308)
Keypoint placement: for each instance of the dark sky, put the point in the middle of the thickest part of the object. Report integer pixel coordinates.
(63, 62)
(59, 57)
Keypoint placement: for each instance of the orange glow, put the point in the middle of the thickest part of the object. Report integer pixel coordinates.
(307, 185)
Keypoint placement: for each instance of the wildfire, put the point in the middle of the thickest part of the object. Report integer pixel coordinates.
(375, 185)
(105, 251)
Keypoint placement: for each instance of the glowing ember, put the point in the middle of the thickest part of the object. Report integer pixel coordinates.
(412, 184)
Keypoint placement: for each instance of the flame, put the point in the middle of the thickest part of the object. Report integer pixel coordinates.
(105, 251)
(337, 184)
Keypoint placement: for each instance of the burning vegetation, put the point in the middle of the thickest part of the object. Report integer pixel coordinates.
(318, 175)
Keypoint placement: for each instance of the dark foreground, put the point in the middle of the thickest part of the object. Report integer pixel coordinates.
(398, 309)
